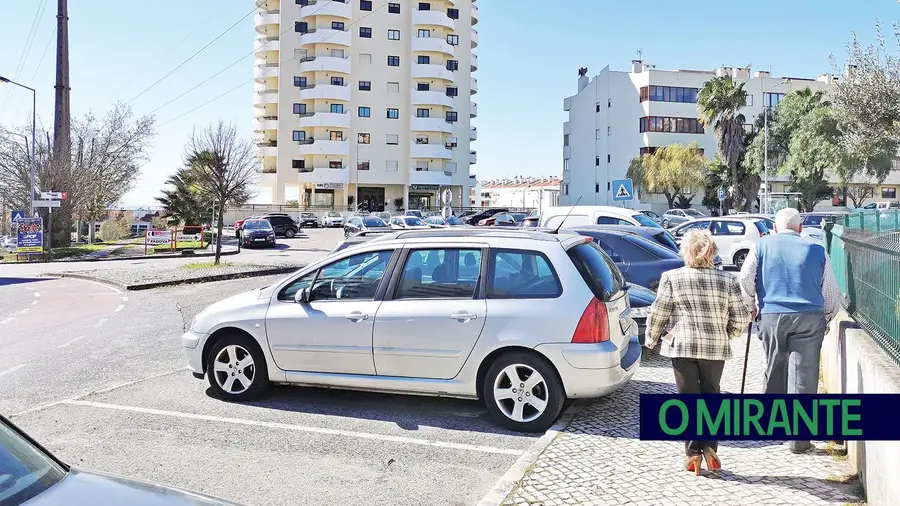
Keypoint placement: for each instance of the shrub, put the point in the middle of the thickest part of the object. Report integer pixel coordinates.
(114, 230)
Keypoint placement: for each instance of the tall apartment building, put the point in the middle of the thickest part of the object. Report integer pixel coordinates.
(365, 100)
(617, 116)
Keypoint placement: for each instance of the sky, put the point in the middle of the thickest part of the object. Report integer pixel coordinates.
(529, 52)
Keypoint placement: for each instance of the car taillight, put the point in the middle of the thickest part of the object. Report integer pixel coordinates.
(593, 327)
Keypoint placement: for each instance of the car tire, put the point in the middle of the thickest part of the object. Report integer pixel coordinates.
(740, 257)
(510, 412)
(290, 233)
(665, 224)
(241, 347)
(346, 233)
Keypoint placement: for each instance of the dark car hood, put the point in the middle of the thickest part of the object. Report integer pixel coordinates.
(259, 232)
(95, 489)
(640, 296)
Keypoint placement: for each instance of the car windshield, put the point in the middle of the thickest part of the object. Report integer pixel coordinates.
(693, 213)
(374, 222)
(25, 471)
(412, 221)
(307, 216)
(650, 214)
(813, 220)
(453, 220)
(258, 225)
(518, 216)
(435, 220)
(665, 238)
(332, 214)
(645, 221)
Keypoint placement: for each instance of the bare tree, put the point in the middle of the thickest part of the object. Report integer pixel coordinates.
(226, 168)
(858, 193)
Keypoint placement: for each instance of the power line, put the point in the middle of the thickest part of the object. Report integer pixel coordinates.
(232, 27)
(27, 49)
(36, 69)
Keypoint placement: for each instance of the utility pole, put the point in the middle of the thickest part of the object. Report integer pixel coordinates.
(61, 119)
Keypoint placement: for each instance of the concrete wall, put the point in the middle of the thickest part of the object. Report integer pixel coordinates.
(853, 363)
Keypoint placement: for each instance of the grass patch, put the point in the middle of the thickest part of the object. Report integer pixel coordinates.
(842, 480)
(204, 265)
(73, 251)
(162, 248)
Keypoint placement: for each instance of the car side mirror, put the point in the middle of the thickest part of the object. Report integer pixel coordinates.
(302, 296)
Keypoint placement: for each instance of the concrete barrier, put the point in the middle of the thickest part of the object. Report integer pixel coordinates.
(853, 363)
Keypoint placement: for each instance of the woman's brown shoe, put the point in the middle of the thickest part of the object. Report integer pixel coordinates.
(712, 460)
(692, 464)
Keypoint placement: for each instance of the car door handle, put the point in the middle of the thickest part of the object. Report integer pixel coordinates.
(357, 316)
(463, 316)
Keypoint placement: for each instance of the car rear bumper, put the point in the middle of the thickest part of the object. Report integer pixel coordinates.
(593, 370)
(192, 346)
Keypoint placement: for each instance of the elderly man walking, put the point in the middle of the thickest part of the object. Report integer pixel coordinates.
(789, 279)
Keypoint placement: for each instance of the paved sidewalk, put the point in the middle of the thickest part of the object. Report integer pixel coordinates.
(599, 460)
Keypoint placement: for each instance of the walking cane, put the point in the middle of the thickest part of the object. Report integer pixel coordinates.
(746, 358)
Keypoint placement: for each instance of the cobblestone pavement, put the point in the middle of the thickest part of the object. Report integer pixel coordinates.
(599, 460)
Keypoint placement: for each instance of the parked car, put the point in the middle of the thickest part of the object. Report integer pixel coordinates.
(384, 306)
(283, 224)
(308, 220)
(503, 220)
(408, 223)
(653, 216)
(333, 219)
(734, 235)
(640, 298)
(239, 223)
(819, 219)
(383, 215)
(484, 214)
(674, 217)
(258, 232)
(659, 236)
(357, 224)
(531, 221)
(31, 475)
(580, 216)
(414, 212)
(880, 206)
(10, 244)
(440, 222)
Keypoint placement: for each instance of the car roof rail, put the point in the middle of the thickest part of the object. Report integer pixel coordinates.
(474, 232)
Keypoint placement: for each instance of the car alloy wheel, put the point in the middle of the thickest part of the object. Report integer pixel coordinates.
(290, 233)
(740, 258)
(236, 368)
(523, 392)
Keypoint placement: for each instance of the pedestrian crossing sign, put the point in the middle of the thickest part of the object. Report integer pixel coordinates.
(623, 189)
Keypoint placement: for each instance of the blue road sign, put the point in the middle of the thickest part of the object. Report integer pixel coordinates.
(623, 189)
(18, 215)
(721, 194)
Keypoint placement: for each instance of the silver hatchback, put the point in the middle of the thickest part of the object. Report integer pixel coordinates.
(521, 320)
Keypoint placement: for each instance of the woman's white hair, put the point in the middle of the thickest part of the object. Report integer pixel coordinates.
(699, 249)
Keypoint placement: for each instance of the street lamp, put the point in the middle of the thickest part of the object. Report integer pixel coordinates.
(766, 144)
(33, 123)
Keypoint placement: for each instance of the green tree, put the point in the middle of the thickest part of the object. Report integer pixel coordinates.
(676, 171)
(813, 154)
(183, 201)
(719, 103)
(115, 229)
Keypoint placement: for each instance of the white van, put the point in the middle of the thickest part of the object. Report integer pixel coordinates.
(579, 216)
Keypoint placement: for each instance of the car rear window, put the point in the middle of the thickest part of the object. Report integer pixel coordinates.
(598, 270)
(651, 247)
(645, 221)
(516, 274)
(762, 228)
(665, 238)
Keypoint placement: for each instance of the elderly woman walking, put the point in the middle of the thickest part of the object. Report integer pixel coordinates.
(698, 309)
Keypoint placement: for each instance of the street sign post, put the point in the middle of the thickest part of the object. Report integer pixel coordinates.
(623, 190)
(53, 195)
(722, 194)
(46, 203)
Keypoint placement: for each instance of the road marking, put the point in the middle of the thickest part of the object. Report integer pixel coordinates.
(34, 302)
(29, 288)
(6, 320)
(67, 343)
(12, 369)
(36, 294)
(103, 285)
(124, 299)
(300, 428)
(119, 308)
(101, 322)
(27, 309)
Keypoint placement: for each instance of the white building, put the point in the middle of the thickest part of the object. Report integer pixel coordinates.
(365, 100)
(617, 116)
(521, 192)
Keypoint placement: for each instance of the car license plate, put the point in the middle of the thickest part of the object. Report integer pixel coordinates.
(258, 240)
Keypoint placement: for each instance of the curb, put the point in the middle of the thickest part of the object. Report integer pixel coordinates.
(505, 484)
(174, 282)
(161, 256)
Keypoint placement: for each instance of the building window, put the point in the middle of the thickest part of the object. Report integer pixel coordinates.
(362, 138)
(422, 113)
(772, 99)
(609, 130)
(337, 25)
(452, 117)
(597, 108)
(453, 40)
(365, 32)
(565, 139)
(393, 87)
(596, 161)
(423, 34)
(421, 139)
(301, 27)
(452, 65)
(669, 94)
(298, 135)
(394, 8)
(393, 34)
(647, 150)
(453, 13)
(298, 164)
(452, 91)
(749, 101)
(365, 59)
(565, 164)
(391, 165)
(596, 187)
(365, 5)
(365, 86)
(337, 81)
(336, 135)
(362, 165)
(608, 158)
(566, 189)
(335, 164)
(671, 125)
(337, 108)
(423, 60)
(424, 6)
(392, 139)
(365, 112)
(393, 113)
(393, 61)
(423, 86)
(300, 81)
(299, 108)
(888, 192)
(597, 134)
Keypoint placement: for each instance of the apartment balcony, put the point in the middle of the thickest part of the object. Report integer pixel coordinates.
(264, 98)
(473, 109)
(475, 14)
(567, 151)
(431, 98)
(324, 119)
(433, 18)
(473, 133)
(432, 44)
(263, 123)
(325, 64)
(429, 177)
(474, 62)
(430, 125)
(474, 38)
(334, 8)
(263, 19)
(567, 128)
(473, 85)
(325, 92)
(431, 151)
(268, 179)
(324, 147)
(430, 71)
(473, 158)
(324, 175)
(267, 148)
(265, 71)
(323, 35)
(264, 44)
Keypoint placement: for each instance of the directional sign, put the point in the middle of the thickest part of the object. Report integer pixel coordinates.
(722, 194)
(46, 203)
(53, 195)
(623, 189)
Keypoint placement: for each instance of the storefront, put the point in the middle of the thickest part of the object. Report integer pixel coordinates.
(423, 196)
(371, 195)
(324, 195)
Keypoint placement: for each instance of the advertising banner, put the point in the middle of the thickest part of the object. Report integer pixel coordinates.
(30, 233)
(159, 237)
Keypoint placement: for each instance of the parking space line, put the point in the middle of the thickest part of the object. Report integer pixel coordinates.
(70, 342)
(119, 308)
(6, 320)
(300, 428)
(34, 302)
(12, 369)
(101, 322)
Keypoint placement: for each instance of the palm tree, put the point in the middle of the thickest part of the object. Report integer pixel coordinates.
(182, 201)
(719, 103)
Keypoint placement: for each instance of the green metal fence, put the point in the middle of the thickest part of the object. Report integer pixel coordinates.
(865, 253)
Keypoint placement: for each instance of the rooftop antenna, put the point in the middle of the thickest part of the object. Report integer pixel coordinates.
(640, 53)
(567, 215)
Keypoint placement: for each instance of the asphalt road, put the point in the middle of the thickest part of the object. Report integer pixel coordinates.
(98, 377)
